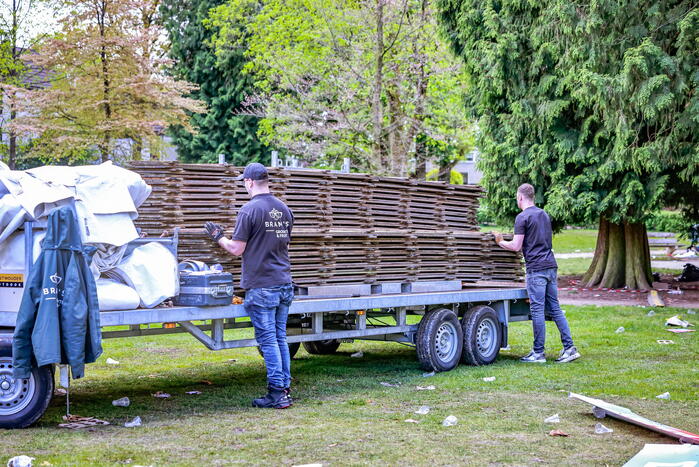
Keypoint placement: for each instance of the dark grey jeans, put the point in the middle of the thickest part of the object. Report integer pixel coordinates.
(542, 287)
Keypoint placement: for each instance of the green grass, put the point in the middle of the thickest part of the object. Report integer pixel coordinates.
(344, 416)
(574, 241)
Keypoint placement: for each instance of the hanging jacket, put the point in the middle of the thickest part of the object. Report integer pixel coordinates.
(58, 319)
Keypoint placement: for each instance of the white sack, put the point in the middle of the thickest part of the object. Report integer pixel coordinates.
(152, 271)
(113, 295)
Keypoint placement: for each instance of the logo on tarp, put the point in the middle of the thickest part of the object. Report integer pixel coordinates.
(56, 279)
(274, 214)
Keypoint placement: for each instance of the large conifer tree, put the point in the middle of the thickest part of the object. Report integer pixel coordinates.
(221, 85)
(595, 103)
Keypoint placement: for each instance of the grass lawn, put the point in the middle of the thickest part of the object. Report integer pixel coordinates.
(575, 241)
(343, 415)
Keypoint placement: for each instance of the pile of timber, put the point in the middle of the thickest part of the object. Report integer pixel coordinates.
(349, 228)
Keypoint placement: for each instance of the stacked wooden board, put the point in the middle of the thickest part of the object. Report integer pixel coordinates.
(349, 228)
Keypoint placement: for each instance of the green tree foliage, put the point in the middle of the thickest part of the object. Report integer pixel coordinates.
(222, 86)
(366, 79)
(595, 104)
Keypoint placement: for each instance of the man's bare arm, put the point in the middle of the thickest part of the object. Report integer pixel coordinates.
(234, 247)
(514, 245)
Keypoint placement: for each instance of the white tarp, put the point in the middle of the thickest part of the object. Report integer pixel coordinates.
(151, 270)
(106, 198)
(113, 295)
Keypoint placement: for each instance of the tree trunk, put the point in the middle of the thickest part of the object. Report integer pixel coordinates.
(104, 146)
(622, 257)
(377, 110)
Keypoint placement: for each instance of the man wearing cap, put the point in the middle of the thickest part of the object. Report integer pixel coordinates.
(261, 236)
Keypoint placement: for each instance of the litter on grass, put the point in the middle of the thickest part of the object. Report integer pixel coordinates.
(161, 395)
(359, 354)
(677, 321)
(691, 312)
(75, 422)
(425, 388)
(558, 433)
(665, 341)
(193, 393)
(671, 455)
(553, 419)
(679, 331)
(601, 429)
(450, 421)
(602, 409)
(410, 420)
(620, 329)
(423, 410)
(650, 313)
(665, 395)
(134, 423)
(111, 361)
(428, 375)
(489, 379)
(20, 461)
(123, 402)
(390, 385)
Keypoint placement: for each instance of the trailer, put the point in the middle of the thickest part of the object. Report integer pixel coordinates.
(448, 322)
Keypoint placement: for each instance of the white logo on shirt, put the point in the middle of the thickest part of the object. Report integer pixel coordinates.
(274, 214)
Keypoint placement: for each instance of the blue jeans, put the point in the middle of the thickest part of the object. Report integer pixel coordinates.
(268, 308)
(542, 287)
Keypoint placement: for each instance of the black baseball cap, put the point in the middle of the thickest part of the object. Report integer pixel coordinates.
(254, 171)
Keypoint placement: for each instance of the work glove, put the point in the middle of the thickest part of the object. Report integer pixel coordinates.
(215, 231)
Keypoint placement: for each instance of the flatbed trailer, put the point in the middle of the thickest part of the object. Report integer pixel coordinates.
(468, 324)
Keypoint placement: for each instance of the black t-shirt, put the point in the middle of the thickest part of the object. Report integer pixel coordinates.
(535, 225)
(265, 224)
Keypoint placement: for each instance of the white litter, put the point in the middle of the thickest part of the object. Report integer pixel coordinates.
(428, 375)
(665, 395)
(450, 421)
(620, 329)
(133, 423)
(111, 361)
(123, 402)
(675, 292)
(425, 388)
(650, 313)
(410, 420)
(691, 312)
(389, 385)
(489, 379)
(677, 321)
(359, 354)
(161, 395)
(20, 461)
(193, 393)
(553, 419)
(665, 341)
(423, 410)
(601, 429)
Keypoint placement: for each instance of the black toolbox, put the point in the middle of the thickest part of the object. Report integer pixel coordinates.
(205, 288)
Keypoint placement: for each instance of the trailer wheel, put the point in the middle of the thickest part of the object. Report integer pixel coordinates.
(439, 340)
(326, 347)
(482, 335)
(23, 401)
(293, 349)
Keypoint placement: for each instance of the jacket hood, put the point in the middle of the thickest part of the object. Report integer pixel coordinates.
(62, 230)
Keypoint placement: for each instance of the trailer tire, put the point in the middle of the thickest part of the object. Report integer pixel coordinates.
(293, 349)
(23, 402)
(482, 335)
(439, 340)
(326, 347)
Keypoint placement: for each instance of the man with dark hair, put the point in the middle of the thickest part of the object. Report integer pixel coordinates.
(533, 236)
(261, 236)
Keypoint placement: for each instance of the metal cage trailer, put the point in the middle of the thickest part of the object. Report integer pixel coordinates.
(448, 323)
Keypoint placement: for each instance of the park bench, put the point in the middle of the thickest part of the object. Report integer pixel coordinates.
(666, 240)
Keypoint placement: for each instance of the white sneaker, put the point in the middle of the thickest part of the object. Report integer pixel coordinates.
(568, 355)
(533, 357)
